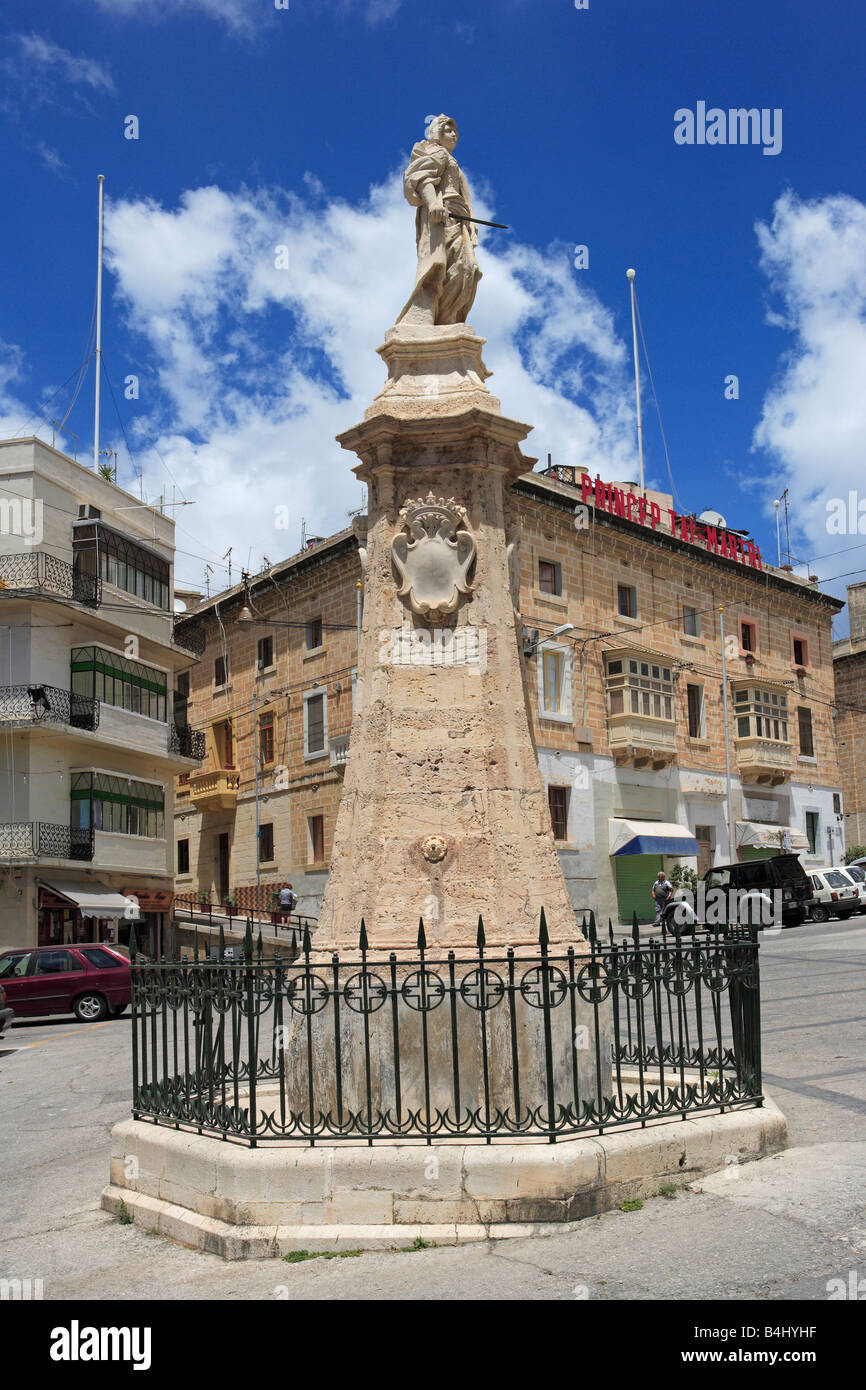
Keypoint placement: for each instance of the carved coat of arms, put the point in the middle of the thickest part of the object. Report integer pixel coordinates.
(433, 561)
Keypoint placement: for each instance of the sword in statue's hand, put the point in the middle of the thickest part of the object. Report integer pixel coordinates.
(477, 221)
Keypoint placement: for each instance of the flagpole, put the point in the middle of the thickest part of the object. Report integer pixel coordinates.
(631, 275)
(98, 330)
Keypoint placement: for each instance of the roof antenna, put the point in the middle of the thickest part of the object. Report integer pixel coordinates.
(631, 275)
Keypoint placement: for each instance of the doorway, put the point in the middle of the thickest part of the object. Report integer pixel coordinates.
(223, 854)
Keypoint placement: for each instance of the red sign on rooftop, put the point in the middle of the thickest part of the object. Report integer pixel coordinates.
(607, 497)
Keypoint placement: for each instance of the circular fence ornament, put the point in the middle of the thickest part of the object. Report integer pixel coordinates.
(307, 994)
(532, 986)
(365, 992)
(423, 990)
(482, 989)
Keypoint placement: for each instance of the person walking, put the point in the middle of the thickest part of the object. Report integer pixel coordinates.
(662, 891)
(288, 901)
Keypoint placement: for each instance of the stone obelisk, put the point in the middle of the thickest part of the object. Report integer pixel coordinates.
(444, 814)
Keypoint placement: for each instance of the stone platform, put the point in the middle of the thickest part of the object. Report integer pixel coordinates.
(244, 1203)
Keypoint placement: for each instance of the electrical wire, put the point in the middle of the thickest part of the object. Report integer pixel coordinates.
(658, 407)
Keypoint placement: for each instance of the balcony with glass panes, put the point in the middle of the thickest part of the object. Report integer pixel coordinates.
(764, 752)
(640, 709)
(125, 815)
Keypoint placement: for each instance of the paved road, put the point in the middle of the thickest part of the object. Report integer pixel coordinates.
(781, 1229)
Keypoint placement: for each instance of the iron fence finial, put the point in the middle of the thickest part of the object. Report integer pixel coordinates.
(363, 944)
(480, 938)
(422, 938)
(543, 934)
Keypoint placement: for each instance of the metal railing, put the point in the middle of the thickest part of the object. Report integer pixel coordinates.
(42, 840)
(47, 704)
(468, 1045)
(188, 743)
(228, 915)
(187, 634)
(38, 572)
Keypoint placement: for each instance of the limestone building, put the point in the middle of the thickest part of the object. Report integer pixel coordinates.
(849, 664)
(626, 703)
(92, 734)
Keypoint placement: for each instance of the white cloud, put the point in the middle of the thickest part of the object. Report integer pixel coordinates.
(813, 420)
(46, 60)
(248, 370)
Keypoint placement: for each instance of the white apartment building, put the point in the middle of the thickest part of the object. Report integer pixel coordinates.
(92, 735)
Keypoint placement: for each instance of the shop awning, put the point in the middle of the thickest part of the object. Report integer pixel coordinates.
(91, 899)
(650, 837)
(765, 836)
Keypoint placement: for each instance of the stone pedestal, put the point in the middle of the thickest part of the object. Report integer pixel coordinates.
(444, 814)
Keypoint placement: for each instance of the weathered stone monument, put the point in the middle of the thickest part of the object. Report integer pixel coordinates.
(444, 814)
(346, 1065)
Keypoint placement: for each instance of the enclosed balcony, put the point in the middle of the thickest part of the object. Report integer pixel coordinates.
(214, 791)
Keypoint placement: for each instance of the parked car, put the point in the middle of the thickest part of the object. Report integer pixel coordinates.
(6, 1014)
(755, 881)
(90, 981)
(837, 894)
(859, 876)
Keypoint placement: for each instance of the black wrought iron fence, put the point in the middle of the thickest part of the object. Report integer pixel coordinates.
(471, 1044)
(38, 572)
(188, 743)
(42, 840)
(47, 704)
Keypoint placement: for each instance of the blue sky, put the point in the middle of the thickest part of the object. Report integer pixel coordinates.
(261, 127)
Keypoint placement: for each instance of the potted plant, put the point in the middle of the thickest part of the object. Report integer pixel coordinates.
(275, 905)
(230, 902)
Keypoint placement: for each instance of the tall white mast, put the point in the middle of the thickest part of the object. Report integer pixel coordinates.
(630, 274)
(98, 332)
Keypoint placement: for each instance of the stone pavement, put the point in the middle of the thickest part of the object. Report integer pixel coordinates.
(780, 1228)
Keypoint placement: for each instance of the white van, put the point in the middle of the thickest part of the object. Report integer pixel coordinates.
(836, 894)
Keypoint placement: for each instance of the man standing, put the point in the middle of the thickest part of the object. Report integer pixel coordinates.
(288, 901)
(662, 891)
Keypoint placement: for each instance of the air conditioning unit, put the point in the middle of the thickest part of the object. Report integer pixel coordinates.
(86, 512)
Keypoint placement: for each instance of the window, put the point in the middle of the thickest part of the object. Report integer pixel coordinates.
(804, 730)
(183, 856)
(315, 725)
(266, 843)
(549, 577)
(800, 651)
(266, 737)
(640, 687)
(119, 805)
(748, 637)
(691, 622)
(103, 960)
(695, 695)
(115, 680)
(316, 834)
(314, 634)
(812, 830)
(761, 714)
(220, 671)
(182, 685)
(558, 801)
(225, 744)
(626, 600)
(13, 967)
(265, 653)
(56, 963)
(837, 804)
(554, 683)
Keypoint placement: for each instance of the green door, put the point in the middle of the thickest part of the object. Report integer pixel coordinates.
(748, 852)
(634, 880)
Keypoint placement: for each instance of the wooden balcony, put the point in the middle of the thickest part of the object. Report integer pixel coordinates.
(214, 791)
(640, 741)
(764, 761)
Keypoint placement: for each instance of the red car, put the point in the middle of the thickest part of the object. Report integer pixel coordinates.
(91, 981)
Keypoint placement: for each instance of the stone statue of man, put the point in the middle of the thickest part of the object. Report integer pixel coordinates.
(448, 272)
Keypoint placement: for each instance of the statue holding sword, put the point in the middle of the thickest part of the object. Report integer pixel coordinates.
(445, 230)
